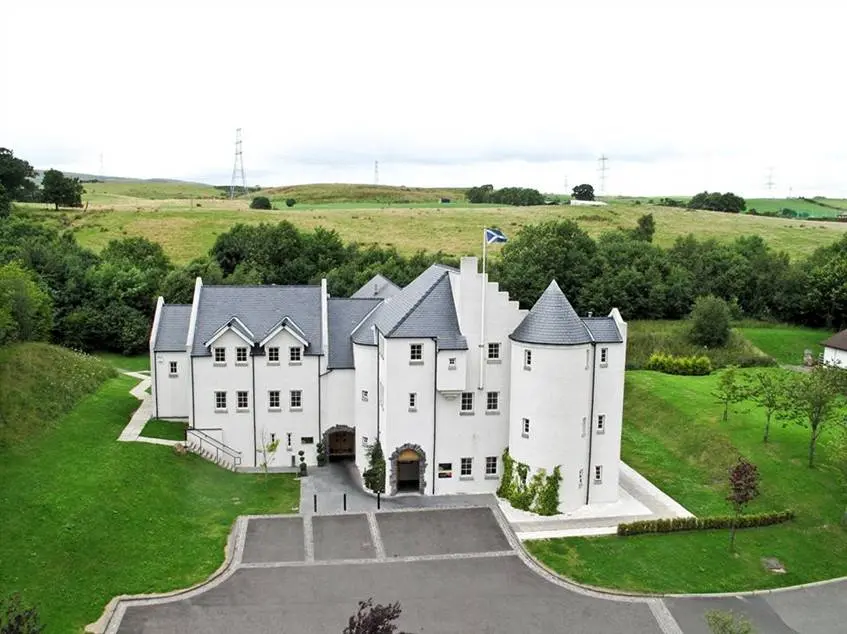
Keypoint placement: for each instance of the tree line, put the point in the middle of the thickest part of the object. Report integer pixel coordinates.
(518, 196)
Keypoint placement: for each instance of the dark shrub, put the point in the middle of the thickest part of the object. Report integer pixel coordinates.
(261, 202)
(710, 322)
(290, 202)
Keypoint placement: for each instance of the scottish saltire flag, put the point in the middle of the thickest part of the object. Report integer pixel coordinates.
(494, 235)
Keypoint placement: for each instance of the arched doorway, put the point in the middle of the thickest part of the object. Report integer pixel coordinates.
(408, 469)
(340, 443)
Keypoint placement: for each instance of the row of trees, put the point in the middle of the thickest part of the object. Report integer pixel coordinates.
(17, 182)
(519, 196)
(715, 201)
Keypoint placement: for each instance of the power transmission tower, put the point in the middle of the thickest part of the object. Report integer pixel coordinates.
(602, 169)
(237, 166)
(376, 172)
(769, 183)
(102, 172)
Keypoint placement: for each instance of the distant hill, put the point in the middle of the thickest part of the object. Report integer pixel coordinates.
(327, 193)
(118, 179)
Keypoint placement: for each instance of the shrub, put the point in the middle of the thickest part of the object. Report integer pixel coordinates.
(710, 322)
(505, 489)
(374, 475)
(261, 202)
(290, 202)
(322, 457)
(676, 524)
(687, 366)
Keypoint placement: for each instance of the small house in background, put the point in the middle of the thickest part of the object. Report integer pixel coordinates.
(835, 349)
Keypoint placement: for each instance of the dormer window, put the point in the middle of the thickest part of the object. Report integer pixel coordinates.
(220, 355)
(273, 355)
(241, 355)
(295, 354)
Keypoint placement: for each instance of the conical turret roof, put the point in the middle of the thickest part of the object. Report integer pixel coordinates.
(552, 321)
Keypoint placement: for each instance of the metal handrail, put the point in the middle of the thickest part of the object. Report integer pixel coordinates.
(217, 444)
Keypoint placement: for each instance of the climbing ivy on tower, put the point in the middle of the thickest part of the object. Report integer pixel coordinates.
(540, 494)
(547, 502)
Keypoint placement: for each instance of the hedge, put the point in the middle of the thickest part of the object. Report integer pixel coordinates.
(704, 523)
(669, 364)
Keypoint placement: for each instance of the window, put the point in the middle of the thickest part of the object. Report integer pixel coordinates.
(584, 425)
(288, 444)
(451, 363)
(381, 395)
(364, 441)
(445, 469)
(492, 401)
(467, 402)
(601, 423)
(365, 396)
(493, 351)
(295, 400)
(604, 356)
(220, 401)
(173, 368)
(491, 465)
(273, 399)
(525, 427)
(273, 355)
(413, 401)
(220, 355)
(527, 359)
(295, 354)
(241, 355)
(307, 440)
(241, 400)
(598, 473)
(466, 467)
(273, 437)
(415, 352)
(581, 477)
(587, 357)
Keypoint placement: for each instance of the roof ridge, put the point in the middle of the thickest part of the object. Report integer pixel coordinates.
(414, 307)
(261, 286)
(357, 299)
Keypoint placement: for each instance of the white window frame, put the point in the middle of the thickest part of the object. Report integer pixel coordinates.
(238, 406)
(218, 407)
(288, 441)
(598, 474)
(466, 411)
(413, 401)
(364, 396)
(173, 368)
(488, 399)
(295, 355)
(415, 353)
(493, 352)
(274, 394)
(581, 480)
(466, 465)
(295, 396)
(527, 359)
(273, 355)
(525, 427)
(451, 363)
(238, 352)
(491, 466)
(604, 357)
(601, 423)
(219, 356)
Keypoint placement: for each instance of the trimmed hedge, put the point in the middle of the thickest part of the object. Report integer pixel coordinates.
(689, 366)
(704, 523)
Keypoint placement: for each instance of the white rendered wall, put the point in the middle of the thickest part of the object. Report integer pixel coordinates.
(834, 356)
(171, 393)
(364, 411)
(608, 401)
(337, 398)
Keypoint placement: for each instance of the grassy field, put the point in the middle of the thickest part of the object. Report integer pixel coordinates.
(85, 517)
(816, 207)
(785, 343)
(673, 435)
(166, 429)
(135, 363)
(187, 231)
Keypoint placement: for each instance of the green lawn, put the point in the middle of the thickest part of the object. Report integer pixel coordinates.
(166, 429)
(85, 518)
(134, 363)
(785, 343)
(673, 435)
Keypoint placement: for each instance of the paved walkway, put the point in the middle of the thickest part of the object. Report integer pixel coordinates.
(132, 432)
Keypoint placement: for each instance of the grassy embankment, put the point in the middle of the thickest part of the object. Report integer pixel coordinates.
(86, 517)
(406, 218)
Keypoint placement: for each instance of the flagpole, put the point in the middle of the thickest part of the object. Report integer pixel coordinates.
(482, 315)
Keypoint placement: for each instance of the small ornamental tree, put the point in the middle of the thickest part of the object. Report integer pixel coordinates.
(261, 202)
(709, 322)
(268, 451)
(767, 390)
(16, 619)
(583, 192)
(374, 619)
(730, 390)
(743, 489)
(374, 475)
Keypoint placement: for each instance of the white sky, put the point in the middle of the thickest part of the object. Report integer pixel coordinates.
(681, 96)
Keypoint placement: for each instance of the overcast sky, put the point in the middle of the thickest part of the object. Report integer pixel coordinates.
(681, 96)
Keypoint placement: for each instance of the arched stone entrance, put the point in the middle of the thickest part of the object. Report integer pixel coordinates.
(340, 443)
(408, 469)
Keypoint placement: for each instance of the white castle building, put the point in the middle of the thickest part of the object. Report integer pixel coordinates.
(446, 373)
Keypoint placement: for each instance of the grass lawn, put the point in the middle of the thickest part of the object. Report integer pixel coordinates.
(785, 343)
(134, 363)
(671, 337)
(86, 518)
(673, 435)
(165, 429)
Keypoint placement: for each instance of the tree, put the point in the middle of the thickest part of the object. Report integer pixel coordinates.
(715, 201)
(57, 189)
(721, 622)
(15, 175)
(138, 252)
(815, 400)
(26, 310)
(767, 390)
(268, 451)
(178, 285)
(5, 203)
(730, 390)
(583, 192)
(480, 194)
(710, 322)
(374, 475)
(261, 202)
(645, 229)
(743, 489)
(290, 202)
(374, 619)
(16, 619)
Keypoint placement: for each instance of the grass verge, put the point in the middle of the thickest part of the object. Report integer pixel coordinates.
(135, 363)
(86, 518)
(673, 435)
(165, 429)
(785, 343)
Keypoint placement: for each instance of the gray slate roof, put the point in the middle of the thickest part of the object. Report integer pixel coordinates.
(424, 309)
(260, 308)
(377, 286)
(173, 328)
(344, 315)
(552, 321)
(603, 329)
(837, 341)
